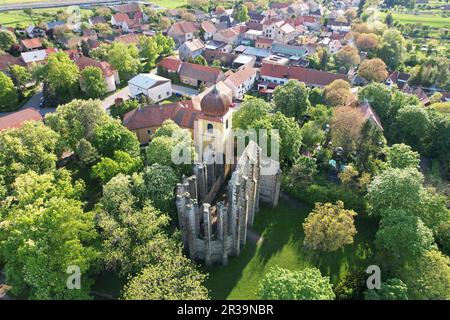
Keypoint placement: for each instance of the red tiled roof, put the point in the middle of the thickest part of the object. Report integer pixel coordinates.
(32, 43)
(183, 27)
(15, 119)
(208, 26)
(128, 8)
(84, 62)
(182, 113)
(200, 72)
(367, 112)
(127, 38)
(242, 75)
(262, 40)
(170, 63)
(8, 60)
(308, 76)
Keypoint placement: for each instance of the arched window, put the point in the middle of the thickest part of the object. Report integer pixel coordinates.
(210, 128)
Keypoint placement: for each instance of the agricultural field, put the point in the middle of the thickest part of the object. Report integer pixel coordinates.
(170, 4)
(432, 20)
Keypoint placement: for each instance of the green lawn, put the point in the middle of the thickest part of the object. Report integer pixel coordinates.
(436, 21)
(283, 235)
(170, 4)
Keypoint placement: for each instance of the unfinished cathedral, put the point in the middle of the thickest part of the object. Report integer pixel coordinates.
(214, 213)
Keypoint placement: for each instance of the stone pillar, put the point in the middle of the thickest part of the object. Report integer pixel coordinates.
(200, 173)
(243, 213)
(223, 234)
(181, 202)
(234, 214)
(191, 229)
(276, 193)
(193, 187)
(251, 193)
(207, 232)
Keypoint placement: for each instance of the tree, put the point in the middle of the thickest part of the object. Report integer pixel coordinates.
(119, 111)
(347, 57)
(251, 111)
(8, 94)
(200, 60)
(329, 227)
(292, 99)
(443, 237)
(402, 156)
(412, 126)
(242, 14)
(290, 136)
(92, 82)
(60, 74)
(338, 93)
(392, 49)
(122, 162)
(125, 59)
(112, 136)
(312, 134)
(100, 53)
(306, 284)
(149, 51)
(86, 152)
(391, 289)
(367, 42)
(20, 76)
(373, 70)
(30, 147)
(174, 277)
(429, 277)
(403, 236)
(158, 185)
(345, 128)
(389, 20)
(303, 169)
(166, 44)
(7, 39)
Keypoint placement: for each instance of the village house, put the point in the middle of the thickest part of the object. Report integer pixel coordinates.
(123, 21)
(241, 81)
(97, 20)
(182, 31)
(191, 49)
(369, 115)
(16, 119)
(37, 56)
(150, 85)
(7, 60)
(31, 44)
(197, 75)
(311, 22)
(397, 78)
(225, 58)
(128, 39)
(280, 74)
(209, 29)
(229, 36)
(263, 43)
(110, 75)
(280, 31)
(170, 64)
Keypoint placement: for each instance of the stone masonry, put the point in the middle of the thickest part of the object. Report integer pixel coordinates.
(214, 232)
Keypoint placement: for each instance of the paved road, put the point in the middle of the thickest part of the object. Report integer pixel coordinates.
(184, 90)
(122, 93)
(53, 4)
(33, 102)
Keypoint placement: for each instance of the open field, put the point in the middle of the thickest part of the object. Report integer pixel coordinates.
(435, 21)
(18, 17)
(170, 4)
(283, 235)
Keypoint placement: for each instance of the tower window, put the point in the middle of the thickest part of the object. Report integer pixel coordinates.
(226, 124)
(210, 128)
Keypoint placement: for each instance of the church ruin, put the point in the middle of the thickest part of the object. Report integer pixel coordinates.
(214, 215)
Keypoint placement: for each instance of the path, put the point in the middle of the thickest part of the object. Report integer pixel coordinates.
(123, 93)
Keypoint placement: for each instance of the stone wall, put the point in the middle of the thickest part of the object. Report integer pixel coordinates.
(214, 232)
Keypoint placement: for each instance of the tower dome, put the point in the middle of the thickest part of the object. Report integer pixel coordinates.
(215, 103)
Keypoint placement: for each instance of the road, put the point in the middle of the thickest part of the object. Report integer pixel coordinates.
(122, 93)
(54, 4)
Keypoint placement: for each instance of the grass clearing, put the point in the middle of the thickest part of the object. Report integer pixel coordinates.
(432, 20)
(283, 235)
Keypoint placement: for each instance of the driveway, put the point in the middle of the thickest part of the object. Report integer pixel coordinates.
(184, 90)
(122, 93)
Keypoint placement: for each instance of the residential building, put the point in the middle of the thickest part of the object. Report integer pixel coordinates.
(7, 60)
(241, 81)
(280, 74)
(16, 119)
(170, 64)
(110, 75)
(31, 44)
(209, 29)
(196, 75)
(263, 43)
(279, 30)
(182, 31)
(398, 78)
(150, 85)
(37, 56)
(191, 49)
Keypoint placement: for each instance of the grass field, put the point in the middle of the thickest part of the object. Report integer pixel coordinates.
(170, 4)
(283, 235)
(435, 21)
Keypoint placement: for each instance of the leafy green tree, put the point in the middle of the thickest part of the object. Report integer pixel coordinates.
(158, 185)
(290, 136)
(389, 20)
(391, 289)
(125, 59)
(347, 58)
(60, 74)
(200, 60)
(92, 82)
(303, 170)
(132, 238)
(429, 277)
(392, 50)
(373, 70)
(242, 14)
(412, 126)
(7, 39)
(443, 237)
(329, 227)
(149, 51)
(174, 277)
(402, 156)
(112, 136)
(403, 236)
(21, 76)
(306, 284)
(312, 134)
(123, 108)
(30, 147)
(8, 94)
(292, 99)
(251, 111)
(122, 162)
(166, 44)
(338, 93)
(86, 152)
